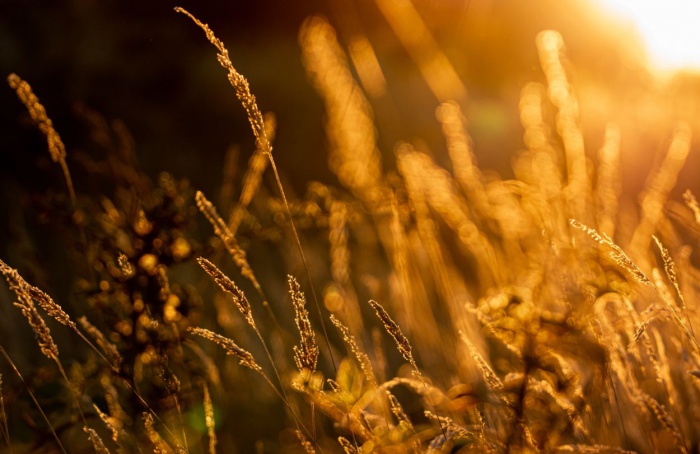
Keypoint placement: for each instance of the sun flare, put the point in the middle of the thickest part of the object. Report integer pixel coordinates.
(668, 29)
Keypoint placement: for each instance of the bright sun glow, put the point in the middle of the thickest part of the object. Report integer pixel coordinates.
(670, 29)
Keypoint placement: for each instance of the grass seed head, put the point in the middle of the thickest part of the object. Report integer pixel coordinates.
(306, 353)
(392, 328)
(227, 285)
(245, 357)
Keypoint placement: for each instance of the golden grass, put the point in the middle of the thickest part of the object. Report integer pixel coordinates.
(539, 324)
(306, 353)
(209, 418)
(37, 112)
(244, 357)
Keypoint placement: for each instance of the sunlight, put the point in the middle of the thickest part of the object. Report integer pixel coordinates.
(669, 29)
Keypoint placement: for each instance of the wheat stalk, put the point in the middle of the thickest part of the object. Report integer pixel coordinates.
(660, 185)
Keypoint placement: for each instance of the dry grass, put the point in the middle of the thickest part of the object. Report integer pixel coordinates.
(57, 149)
(537, 324)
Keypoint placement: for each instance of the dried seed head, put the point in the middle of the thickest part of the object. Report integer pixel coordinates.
(487, 372)
(153, 435)
(253, 177)
(50, 306)
(28, 292)
(112, 423)
(25, 303)
(398, 411)
(38, 114)
(245, 357)
(125, 266)
(348, 447)
(222, 231)
(227, 285)
(306, 354)
(617, 254)
(57, 149)
(692, 203)
(362, 358)
(97, 443)
(239, 83)
(306, 444)
(42, 333)
(392, 328)
(670, 269)
(108, 348)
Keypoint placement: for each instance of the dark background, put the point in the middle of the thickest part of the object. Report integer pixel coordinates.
(143, 64)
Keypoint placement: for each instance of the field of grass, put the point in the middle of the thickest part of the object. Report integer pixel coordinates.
(422, 305)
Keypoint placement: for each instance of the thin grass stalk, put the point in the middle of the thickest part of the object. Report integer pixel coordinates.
(243, 306)
(109, 422)
(27, 295)
(228, 185)
(670, 270)
(221, 230)
(340, 264)
(246, 359)
(255, 118)
(659, 186)
(3, 415)
(550, 45)
(608, 186)
(306, 354)
(413, 33)
(362, 358)
(692, 203)
(160, 445)
(57, 149)
(253, 176)
(209, 420)
(33, 397)
(622, 260)
(235, 251)
(459, 147)
(173, 387)
(404, 347)
(42, 332)
(353, 153)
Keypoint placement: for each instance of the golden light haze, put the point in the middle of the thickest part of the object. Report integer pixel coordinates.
(668, 30)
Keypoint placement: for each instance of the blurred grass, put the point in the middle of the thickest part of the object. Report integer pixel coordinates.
(396, 239)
